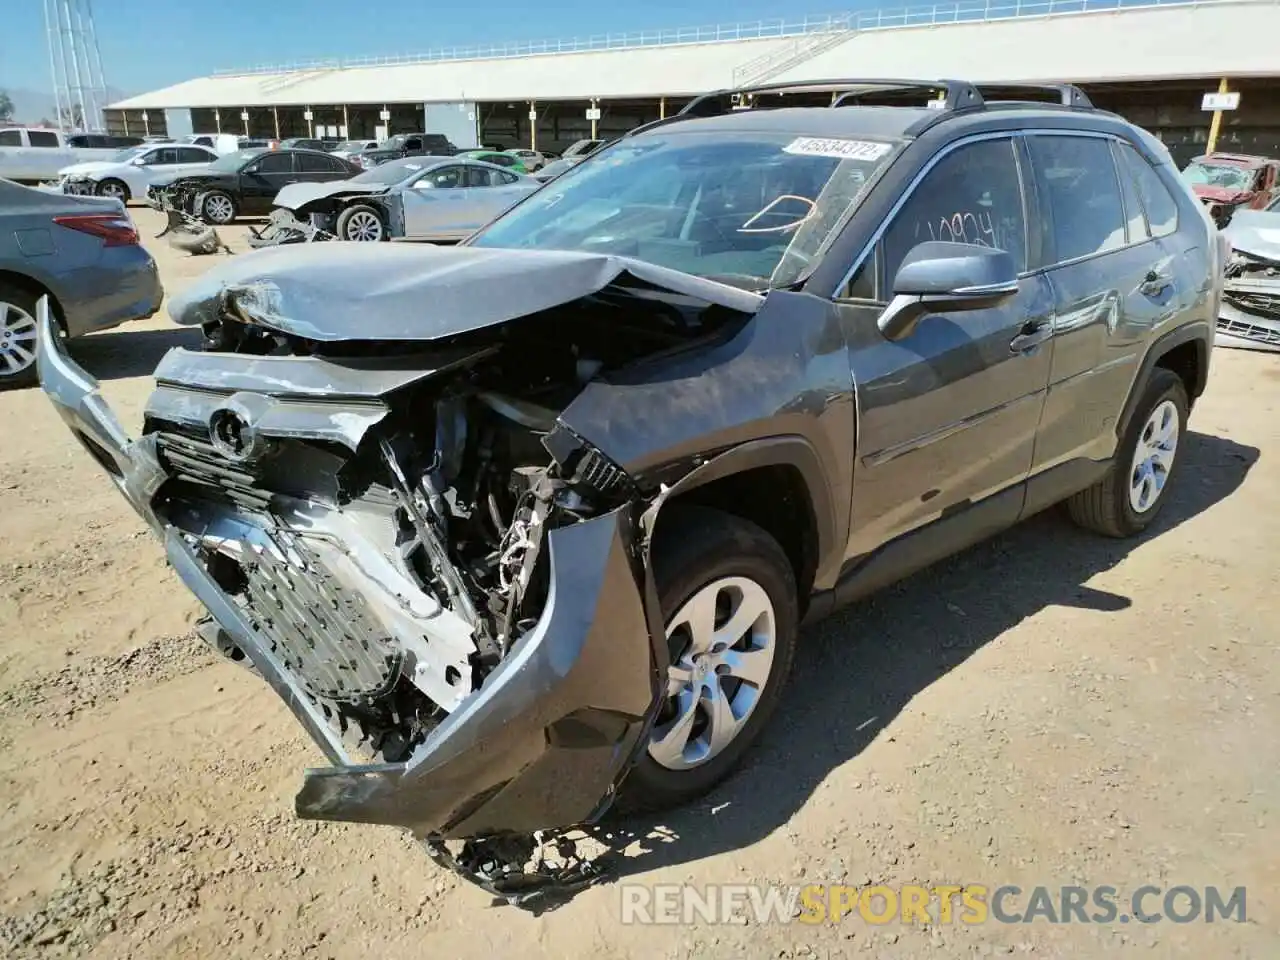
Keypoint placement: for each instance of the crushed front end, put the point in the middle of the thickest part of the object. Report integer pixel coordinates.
(1249, 317)
(448, 588)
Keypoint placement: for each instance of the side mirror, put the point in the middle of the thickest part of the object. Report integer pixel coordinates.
(139, 161)
(937, 276)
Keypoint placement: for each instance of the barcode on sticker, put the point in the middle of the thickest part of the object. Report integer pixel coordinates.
(840, 149)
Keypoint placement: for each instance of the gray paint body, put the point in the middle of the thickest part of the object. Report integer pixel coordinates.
(907, 450)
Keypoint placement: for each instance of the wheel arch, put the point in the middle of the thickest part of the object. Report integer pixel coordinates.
(1185, 352)
(777, 484)
(37, 289)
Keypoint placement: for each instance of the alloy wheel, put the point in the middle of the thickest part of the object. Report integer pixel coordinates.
(364, 226)
(723, 641)
(113, 190)
(1153, 457)
(219, 209)
(17, 340)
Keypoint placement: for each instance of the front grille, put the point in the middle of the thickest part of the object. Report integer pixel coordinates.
(199, 462)
(322, 632)
(1250, 331)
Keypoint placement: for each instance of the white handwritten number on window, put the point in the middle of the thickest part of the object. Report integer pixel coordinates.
(963, 226)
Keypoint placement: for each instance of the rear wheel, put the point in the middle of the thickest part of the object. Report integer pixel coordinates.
(728, 595)
(116, 189)
(1127, 499)
(17, 337)
(361, 223)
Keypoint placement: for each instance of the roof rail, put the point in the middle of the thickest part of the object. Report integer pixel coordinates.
(1069, 95)
(951, 95)
(958, 93)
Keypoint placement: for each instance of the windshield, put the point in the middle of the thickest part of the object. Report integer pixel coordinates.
(128, 153)
(1226, 176)
(389, 173)
(756, 210)
(231, 162)
(351, 145)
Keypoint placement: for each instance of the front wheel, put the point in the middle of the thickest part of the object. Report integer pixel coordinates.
(217, 208)
(116, 189)
(1127, 499)
(728, 595)
(361, 223)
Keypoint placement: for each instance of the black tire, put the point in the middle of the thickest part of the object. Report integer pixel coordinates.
(363, 211)
(1106, 507)
(218, 220)
(117, 185)
(25, 301)
(696, 546)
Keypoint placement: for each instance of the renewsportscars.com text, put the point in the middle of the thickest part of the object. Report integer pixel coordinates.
(939, 904)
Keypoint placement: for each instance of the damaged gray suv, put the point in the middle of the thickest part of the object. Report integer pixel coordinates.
(529, 525)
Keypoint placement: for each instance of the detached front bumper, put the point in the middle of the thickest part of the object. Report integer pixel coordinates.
(542, 744)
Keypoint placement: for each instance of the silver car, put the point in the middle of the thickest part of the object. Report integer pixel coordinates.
(416, 198)
(82, 252)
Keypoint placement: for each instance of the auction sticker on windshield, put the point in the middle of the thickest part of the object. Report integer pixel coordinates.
(840, 149)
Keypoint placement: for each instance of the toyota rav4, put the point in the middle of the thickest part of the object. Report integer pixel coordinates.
(529, 525)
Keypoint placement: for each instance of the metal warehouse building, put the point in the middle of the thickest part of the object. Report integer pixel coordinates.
(1150, 61)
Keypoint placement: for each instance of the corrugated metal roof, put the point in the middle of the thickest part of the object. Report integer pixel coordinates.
(1224, 38)
(1214, 40)
(648, 71)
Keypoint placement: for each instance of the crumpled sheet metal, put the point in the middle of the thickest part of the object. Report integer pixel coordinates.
(340, 291)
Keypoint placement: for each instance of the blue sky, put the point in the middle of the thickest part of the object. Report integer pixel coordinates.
(148, 44)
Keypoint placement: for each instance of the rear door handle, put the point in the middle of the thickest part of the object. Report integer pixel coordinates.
(1155, 283)
(1032, 335)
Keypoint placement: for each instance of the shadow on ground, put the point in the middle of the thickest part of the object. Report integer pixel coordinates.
(121, 354)
(855, 671)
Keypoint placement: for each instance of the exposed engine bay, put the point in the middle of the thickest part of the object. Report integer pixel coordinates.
(456, 484)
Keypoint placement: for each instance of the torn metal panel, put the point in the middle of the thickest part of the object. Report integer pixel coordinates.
(331, 292)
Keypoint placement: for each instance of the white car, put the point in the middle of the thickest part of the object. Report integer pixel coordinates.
(128, 174)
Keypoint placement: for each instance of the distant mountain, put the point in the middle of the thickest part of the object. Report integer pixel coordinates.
(32, 106)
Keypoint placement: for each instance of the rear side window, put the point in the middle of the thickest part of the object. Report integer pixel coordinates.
(10, 138)
(275, 163)
(972, 195)
(1157, 201)
(1079, 182)
(191, 155)
(313, 163)
(1135, 219)
(42, 138)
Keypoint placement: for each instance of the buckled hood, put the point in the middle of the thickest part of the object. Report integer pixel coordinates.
(342, 291)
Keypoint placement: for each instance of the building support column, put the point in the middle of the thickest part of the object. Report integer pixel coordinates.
(244, 118)
(346, 124)
(595, 105)
(533, 124)
(146, 123)
(217, 121)
(275, 120)
(124, 115)
(1216, 123)
(662, 108)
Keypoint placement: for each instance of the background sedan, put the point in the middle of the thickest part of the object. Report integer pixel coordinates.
(415, 198)
(81, 251)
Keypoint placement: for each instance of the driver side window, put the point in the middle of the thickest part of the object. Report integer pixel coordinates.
(972, 195)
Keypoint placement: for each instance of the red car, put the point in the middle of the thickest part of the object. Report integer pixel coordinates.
(1227, 182)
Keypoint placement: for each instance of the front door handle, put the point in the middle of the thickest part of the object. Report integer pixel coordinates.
(1033, 334)
(1155, 283)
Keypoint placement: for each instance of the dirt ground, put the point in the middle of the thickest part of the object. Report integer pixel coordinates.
(1047, 708)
